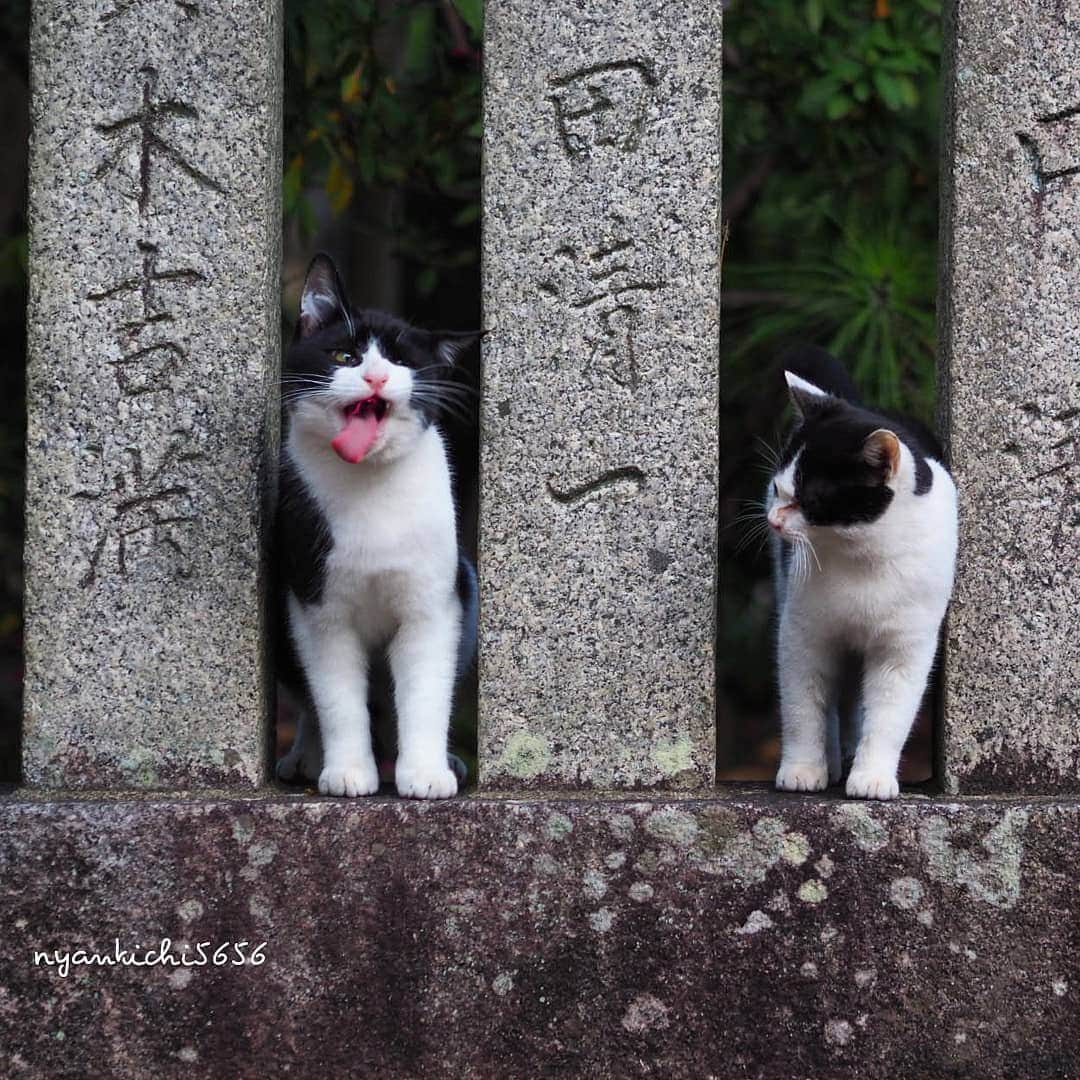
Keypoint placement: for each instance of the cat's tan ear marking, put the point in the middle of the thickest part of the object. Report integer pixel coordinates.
(881, 450)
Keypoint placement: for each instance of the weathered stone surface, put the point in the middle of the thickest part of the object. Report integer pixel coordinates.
(601, 288)
(1011, 381)
(757, 936)
(153, 326)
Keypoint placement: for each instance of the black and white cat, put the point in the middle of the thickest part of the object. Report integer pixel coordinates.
(864, 526)
(379, 599)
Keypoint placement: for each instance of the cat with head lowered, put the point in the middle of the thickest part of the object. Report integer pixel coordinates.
(381, 606)
(863, 517)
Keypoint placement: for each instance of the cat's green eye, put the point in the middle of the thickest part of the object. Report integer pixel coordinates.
(343, 357)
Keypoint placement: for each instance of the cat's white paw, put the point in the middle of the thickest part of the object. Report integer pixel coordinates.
(351, 780)
(800, 776)
(872, 784)
(425, 781)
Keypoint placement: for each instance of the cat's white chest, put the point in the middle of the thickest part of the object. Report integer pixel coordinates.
(841, 604)
(899, 581)
(394, 549)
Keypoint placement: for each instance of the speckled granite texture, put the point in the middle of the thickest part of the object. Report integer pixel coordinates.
(757, 936)
(1011, 383)
(153, 321)
(601, 290)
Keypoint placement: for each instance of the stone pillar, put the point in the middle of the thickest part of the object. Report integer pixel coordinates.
(1011, 373)
(599, 466)
(153, 322)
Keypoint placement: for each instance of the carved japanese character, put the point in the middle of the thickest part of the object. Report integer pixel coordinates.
(124, 6)
(147, 370)
(629, 476)
(602, 106)
(1066, 466)
(606, 282)
(144, 127)
(145, 284)
(141, 508)
(1054, 148)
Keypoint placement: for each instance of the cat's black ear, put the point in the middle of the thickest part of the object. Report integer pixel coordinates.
(805, 396)
(323, 299)
(881, 451)
(449, 345)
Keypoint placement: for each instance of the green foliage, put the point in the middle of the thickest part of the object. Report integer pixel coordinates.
(830, 179)
(831, 110)
(386, 95)
(869, 298)
(14, 77)
(13, 256)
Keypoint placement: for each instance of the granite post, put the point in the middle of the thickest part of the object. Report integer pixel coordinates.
(599, 462)
(153, 325)
(1011, 377)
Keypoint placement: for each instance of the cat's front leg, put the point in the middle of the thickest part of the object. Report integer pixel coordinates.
(335, 665)
(807, 666)
(422, 658)
(895, 678)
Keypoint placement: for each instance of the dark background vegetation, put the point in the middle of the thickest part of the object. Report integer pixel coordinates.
(831, 115)
(830, 179)
(15, 125)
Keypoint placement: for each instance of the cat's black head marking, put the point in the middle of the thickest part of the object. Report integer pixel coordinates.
(846, 454)
(331, 334)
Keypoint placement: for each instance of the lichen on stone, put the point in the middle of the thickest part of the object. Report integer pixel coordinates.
(812, 891)
(906, 892)
(993, 877)
(856, 819)
(526, 755)
(674, 756)
(673, 826)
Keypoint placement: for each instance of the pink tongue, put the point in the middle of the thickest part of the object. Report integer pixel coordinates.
(356, 437)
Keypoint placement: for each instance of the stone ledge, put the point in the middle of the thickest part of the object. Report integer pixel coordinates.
(750, 935)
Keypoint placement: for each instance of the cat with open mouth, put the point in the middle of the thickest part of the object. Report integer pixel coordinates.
(381, 605)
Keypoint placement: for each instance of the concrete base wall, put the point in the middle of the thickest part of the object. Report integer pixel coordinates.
(749, 935)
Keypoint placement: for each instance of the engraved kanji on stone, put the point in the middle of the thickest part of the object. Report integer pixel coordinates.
(148, 370)
(1066, 450)
(628, 477)
(140, 509)
(1053, 146)
(145, 283)
(144, 128)
(605, 281)
(602, 106)
(124, 6)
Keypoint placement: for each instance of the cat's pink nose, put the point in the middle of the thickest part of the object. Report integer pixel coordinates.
(376, 380)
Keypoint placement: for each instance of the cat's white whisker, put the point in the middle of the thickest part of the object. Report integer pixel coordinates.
(449, 406)
(756, 532)
(770, 453)
(799, 563)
